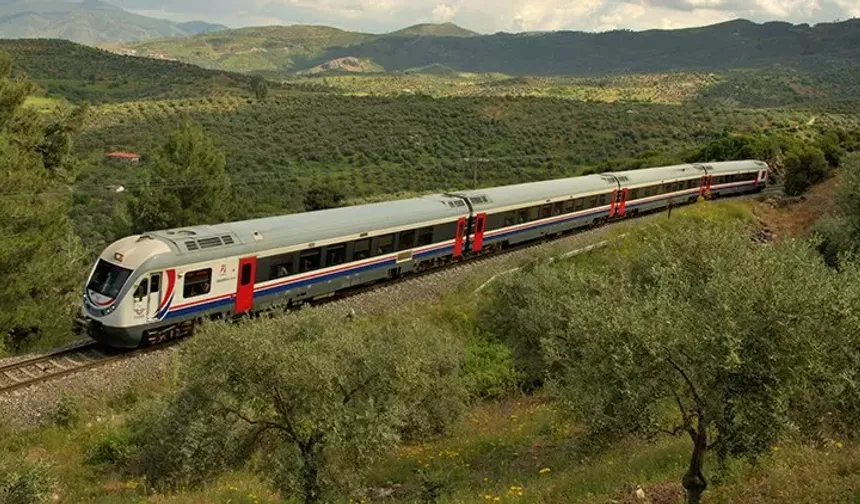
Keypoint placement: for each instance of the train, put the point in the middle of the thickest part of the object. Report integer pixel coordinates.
(157, 286)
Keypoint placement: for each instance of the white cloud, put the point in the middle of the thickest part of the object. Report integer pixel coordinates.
(851, 7)
(443, 13)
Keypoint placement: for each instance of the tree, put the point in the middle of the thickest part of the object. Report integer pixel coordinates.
(738, 339)
(316, 399)
(260, 87)
(186, 184)
(40, 256)
(323, 197)
(804, 167)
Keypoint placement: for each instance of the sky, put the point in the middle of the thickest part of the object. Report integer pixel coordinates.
(490, 16)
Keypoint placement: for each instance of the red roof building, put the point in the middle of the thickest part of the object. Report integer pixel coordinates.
(129, 157)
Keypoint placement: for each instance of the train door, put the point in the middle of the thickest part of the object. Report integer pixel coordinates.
(154, 297)
(480, 227)
(460, 237)
(621, 208)
(761, 179)
(245, 289)
(613, 203)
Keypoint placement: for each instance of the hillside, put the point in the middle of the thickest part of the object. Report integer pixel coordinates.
(89, 22)
(80, 73)
(731, 45)
(434, 30)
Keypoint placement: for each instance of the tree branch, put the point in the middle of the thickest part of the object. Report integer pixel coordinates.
(689, 383)
(349, 395)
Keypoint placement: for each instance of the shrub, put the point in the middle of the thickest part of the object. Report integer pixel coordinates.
(804, 168)
(488, 370)
(312, 400)
(116, 448)
(66, 414)
(27, 483)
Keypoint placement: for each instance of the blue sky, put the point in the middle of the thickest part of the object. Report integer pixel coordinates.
(489, 16)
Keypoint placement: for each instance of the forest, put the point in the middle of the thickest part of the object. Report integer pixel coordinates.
(704, 357)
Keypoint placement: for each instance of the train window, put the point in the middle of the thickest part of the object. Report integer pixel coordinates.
(155, 283)
(567, 207)
(335, 254)
(591, 202)
(545, 211)
(385, 244)
(310, 260)
(510, 219)
(602, 200)
(579, 204)
(197, 283)
(534, 213)
(361, 250)
(282, 266)
(446, 231)
(246, 274)
(142, 290)
(557, 208)
(522, 215)
(425, 237)
(407, 240)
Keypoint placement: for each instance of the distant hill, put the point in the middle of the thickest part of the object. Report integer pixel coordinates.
(80, 73)
(434, 30)
(88, 22)
(730, 45)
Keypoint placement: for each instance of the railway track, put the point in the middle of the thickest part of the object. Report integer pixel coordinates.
(89, 355)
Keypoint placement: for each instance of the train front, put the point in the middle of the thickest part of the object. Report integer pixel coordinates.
(112, 310)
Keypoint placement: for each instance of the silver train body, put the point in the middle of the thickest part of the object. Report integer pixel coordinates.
(157, 286)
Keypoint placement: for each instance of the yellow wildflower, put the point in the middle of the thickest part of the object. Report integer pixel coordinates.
(545, 470)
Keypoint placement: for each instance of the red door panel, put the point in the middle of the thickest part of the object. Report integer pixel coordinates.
(622, 206)
(480, 227)
(245, 288)
(460, 237)
(612, 204)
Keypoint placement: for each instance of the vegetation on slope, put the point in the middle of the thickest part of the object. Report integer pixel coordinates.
(80, 73)
(736, 44)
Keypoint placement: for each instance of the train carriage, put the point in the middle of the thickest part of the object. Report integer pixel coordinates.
(156, 286)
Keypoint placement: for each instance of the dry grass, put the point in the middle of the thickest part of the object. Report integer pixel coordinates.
(794, 217)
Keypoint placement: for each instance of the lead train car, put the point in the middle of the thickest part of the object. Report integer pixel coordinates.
(155, 286)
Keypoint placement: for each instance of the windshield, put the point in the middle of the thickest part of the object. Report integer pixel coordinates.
(108, 279)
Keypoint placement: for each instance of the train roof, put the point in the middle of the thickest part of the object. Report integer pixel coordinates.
(306, 228)
(521, 194)
(662, 174)
(729, 167)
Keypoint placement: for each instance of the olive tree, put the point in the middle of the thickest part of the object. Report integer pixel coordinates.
(308, 399)
(739, 340)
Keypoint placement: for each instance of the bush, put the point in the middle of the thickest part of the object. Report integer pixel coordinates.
(310, 399)
(27, 483)
(804, 167)
(116, 448)
(66, 414)
(488, 370)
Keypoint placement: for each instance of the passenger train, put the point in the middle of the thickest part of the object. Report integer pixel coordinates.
(157, 286)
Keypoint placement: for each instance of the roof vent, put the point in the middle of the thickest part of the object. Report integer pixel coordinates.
(212, 242)
(479, 199)
(227, 239)
(191, 245)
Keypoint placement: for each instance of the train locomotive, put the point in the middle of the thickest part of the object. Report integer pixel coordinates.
(157, 286)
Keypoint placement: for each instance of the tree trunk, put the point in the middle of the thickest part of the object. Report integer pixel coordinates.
(310, 475)
(694, 481)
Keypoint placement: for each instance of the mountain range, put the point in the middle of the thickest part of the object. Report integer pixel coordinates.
(734, 44)
(90, 22)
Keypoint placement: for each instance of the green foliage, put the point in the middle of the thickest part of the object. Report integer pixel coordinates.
(27, 483)
(669, 320)
(66, 414)
(79, 73)
(116, 448)
(839, 235)
(260, 87)
(804, 167)
(737, 147)
(321, 198)
(187, 185)
(40, 258)
(489, 371)
(309, 400)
